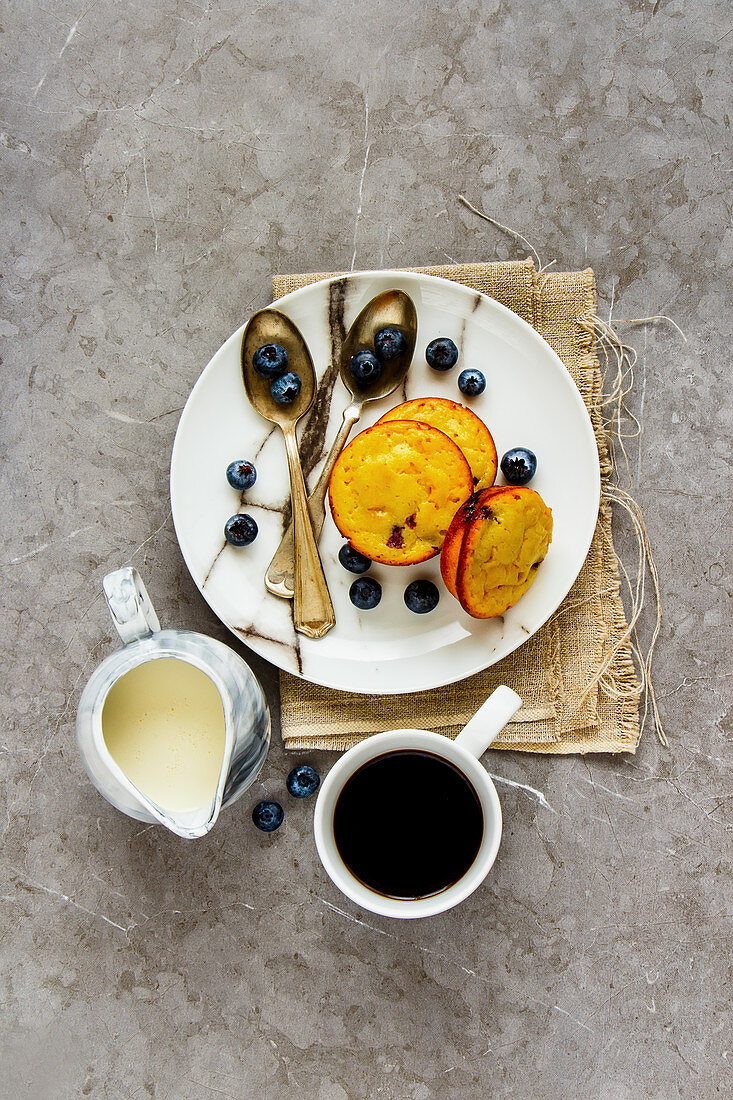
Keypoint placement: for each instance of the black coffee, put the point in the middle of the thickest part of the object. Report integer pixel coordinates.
(408, 824)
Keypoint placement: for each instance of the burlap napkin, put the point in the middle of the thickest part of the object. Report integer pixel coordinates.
(571, 701)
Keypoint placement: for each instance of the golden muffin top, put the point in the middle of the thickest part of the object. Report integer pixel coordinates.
(395, 489)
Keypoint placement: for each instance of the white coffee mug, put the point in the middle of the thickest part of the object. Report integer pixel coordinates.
(464, 754)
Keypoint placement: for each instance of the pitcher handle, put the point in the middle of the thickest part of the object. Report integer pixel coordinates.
(489, 720)
(129, 605)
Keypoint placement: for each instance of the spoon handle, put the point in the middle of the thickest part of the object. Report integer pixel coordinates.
(313, 612)
(280, 573)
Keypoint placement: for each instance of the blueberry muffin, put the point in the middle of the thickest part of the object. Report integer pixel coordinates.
(494, 548)
(395, 488)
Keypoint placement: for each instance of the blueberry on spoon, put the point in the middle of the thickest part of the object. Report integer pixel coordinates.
(389, 343)
(285, 388)
(270, 361)
(365, 367)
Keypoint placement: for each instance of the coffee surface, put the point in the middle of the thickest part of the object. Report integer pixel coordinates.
(408, 824)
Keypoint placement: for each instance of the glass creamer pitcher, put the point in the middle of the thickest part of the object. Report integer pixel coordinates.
(174, 725)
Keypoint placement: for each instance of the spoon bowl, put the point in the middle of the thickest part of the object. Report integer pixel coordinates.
(391, 309)
(269, 326)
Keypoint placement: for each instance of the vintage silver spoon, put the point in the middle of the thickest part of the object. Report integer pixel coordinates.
(313, 611)
(393, 309)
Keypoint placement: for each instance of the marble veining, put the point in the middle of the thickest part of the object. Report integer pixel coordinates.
(313, 440)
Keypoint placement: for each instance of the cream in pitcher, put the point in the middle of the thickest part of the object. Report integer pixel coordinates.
(174, 726)
(163, 723)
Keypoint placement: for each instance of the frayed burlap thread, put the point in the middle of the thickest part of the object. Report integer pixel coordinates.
(568, 705)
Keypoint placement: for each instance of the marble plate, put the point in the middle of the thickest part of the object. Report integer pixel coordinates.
(530, 400)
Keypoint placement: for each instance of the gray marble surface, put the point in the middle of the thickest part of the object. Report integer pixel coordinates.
(159, 162)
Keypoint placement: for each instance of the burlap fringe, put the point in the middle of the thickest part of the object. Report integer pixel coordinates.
(624, 357)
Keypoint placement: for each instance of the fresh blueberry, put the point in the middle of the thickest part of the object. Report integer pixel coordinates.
(441, 354)
(286, 388)
(519, 465)
(303, 781)
(389, 343)
(352, 560)
(365, 593)
(365, 367)
(270, 361)
(471, 382)
(240, 530)
(421, 597)
(241, 474)
(268, 816)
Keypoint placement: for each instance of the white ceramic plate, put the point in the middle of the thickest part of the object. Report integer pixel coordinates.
(530, 400)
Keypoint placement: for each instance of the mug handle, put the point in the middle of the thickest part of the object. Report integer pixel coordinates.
(489, 720)
(129, 605)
